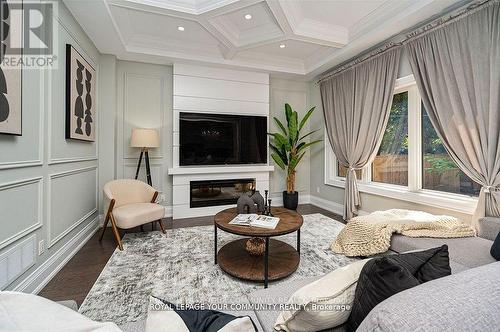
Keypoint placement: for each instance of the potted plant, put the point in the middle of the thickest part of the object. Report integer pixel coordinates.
(288, 148)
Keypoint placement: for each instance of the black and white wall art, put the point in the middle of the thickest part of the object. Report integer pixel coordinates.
(10, 76)
(81, 113)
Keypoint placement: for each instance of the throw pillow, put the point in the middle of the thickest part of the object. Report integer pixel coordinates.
(164, 316)
(386, 276)
(322, 304)
(495, 248)
(427, 264)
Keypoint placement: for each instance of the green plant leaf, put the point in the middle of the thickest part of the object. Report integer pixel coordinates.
(288, 112)
(282, 127)
(281, 153)
(295, 161)
(310, 133)
(281, 141)
(305, 146)
(278, 161)
(293, 132)
(306, 117)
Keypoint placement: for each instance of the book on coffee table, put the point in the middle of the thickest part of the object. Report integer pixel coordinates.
(255, 220)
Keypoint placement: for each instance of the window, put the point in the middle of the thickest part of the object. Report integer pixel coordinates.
(391, 163)
(411, 163)
(439, 171)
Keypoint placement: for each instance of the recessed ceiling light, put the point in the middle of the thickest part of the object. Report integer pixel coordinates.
(248, 17)
(180, 28)
(282, 45)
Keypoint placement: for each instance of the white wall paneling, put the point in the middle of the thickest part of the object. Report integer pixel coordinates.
(44, 272)
(144, 100)
(61, 150)
(48, 184)
(297, 95)
(157, 172)
(19, 222)
(27, 150)
(63, 214)
(200, 89)
(144, 107)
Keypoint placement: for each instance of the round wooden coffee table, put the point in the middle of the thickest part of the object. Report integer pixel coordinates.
(279, 259)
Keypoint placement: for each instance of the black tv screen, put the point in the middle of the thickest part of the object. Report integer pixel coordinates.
(217, 139)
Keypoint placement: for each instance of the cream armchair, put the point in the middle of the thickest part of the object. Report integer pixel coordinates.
(130, 203)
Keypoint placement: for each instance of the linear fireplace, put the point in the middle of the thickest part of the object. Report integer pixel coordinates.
(218, 192)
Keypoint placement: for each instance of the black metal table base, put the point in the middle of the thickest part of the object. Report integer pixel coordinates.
(266, 254)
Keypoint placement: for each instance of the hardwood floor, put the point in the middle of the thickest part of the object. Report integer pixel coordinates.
(76, 278)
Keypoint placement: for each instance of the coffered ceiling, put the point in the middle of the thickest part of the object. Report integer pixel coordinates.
(286, 37)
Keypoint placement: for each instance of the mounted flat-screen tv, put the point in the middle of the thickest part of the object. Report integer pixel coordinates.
(218, 139)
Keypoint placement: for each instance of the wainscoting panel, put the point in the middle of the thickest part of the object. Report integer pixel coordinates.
(144, 112)
(23, 217)
(66, 150)
(70, 208)
(27, 150)
(129, 170)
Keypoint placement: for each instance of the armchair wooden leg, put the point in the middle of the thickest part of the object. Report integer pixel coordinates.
(161, 226)
(115, 231)
(104, 226)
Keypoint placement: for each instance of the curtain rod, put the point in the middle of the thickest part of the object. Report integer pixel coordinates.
(417, 32)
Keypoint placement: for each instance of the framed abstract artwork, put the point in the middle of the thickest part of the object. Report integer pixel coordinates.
(10, 76)
(80, 97)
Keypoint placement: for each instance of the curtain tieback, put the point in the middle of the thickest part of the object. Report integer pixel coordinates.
(489, 189)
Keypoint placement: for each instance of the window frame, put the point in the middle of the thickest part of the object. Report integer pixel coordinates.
(414, 192)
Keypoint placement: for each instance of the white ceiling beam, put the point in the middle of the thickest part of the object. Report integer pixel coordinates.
(280, 17)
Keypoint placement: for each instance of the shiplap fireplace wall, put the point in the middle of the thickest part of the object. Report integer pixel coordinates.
(218, 91)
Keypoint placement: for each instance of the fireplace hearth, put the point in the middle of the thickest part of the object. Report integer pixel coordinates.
(218, 192)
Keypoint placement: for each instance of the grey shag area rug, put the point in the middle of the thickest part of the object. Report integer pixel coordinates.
(179, 267)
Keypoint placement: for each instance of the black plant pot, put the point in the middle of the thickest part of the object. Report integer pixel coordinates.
(291, 200)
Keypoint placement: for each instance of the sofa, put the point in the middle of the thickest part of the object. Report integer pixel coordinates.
(472, 265)
(467, 300)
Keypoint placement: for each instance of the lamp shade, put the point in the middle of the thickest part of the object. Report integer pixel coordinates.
(144, 138)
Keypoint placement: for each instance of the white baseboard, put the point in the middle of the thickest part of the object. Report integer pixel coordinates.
(39, 278)
(277, 199)
(332, 206)
(327, 205)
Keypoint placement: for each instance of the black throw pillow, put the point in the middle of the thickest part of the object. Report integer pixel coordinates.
(495, 248)
(380, 278)
(204, 320)
(426, 265)
(383, 277)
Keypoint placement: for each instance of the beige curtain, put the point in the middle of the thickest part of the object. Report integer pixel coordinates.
(457, 69)
(356, 105)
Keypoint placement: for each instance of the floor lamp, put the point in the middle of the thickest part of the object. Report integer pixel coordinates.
(144, 139)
